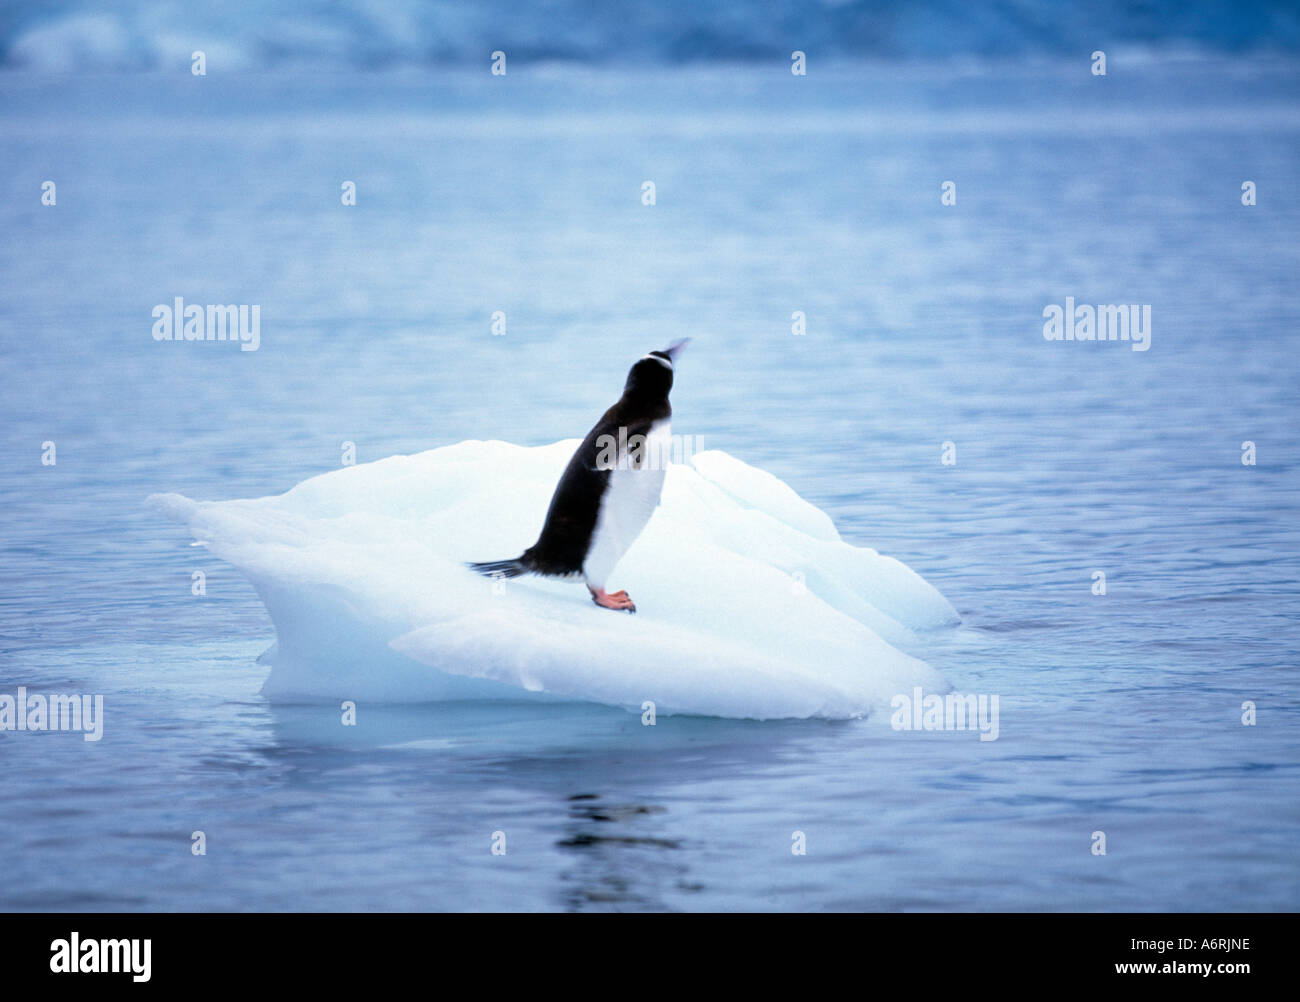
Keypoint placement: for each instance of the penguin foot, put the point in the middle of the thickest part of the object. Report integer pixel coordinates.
(618, 600)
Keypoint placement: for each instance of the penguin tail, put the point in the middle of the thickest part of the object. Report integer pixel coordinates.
(500, 568)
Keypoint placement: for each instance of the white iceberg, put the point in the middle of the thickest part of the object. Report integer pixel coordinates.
(748, 602)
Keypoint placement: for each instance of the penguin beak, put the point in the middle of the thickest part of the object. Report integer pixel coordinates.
(676, 348)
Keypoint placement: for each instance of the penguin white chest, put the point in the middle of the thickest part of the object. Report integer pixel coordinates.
(631, 495)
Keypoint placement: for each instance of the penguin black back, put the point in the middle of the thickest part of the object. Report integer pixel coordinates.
(571, 519)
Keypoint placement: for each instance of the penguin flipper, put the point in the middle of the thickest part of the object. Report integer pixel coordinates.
(500, 568)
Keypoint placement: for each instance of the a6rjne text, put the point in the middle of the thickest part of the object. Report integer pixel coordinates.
(1161, 945)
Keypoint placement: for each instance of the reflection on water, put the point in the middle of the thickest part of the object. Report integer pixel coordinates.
(618, 863)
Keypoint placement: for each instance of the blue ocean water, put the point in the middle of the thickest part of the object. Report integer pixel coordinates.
(1120, 713)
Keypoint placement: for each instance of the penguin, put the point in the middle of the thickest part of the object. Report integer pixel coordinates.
(609, 490)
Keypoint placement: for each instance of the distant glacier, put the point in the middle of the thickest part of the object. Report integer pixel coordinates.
(134, 35)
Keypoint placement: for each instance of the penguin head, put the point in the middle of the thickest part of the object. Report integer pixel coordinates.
(652, 375)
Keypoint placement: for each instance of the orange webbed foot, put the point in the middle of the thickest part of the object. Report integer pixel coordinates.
(618, 601)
